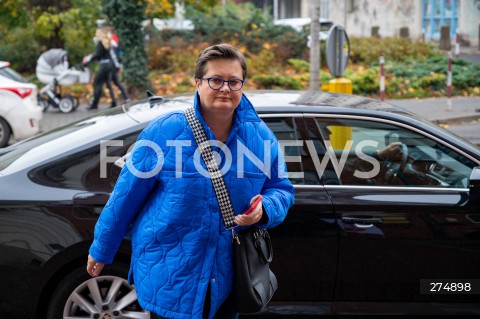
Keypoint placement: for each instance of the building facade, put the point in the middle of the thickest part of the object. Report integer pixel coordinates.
(423, 18)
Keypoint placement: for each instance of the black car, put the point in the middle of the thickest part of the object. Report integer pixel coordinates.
(366, 235)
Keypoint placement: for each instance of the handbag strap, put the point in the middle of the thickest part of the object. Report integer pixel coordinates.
(223, 197)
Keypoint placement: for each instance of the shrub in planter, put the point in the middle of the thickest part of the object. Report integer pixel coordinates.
(276, 82)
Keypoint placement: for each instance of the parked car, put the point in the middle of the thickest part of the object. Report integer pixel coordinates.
(357, 241)
(19, 113)
(299, 24)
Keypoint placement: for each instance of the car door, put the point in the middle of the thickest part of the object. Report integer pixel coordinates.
(403, 221)
(306, 243)
(98, 180)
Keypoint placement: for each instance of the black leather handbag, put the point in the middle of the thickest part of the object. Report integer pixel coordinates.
(254, 282)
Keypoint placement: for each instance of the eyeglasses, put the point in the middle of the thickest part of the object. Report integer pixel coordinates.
(216, 83)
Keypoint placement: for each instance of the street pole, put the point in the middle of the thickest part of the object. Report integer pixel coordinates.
(449, 82)
(275, 9)
(315, 47)
(382, 79)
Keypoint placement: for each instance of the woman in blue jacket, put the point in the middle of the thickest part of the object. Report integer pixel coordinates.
(182, 263)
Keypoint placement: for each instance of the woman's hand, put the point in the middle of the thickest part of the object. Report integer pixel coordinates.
(93, 267)
(253, 217)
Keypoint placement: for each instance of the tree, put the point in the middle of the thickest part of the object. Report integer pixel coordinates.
(30, 27)
(126, 17)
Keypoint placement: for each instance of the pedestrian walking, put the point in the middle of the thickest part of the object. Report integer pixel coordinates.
(106, 69)
(115, 53)
(182, 263)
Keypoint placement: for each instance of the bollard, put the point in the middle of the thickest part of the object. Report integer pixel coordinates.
(457, 44)
(449, 82)
(445, 38)
(340, 135)
(382, 79)
(404, 32)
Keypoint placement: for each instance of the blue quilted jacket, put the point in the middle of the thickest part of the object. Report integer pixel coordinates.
(179, 244)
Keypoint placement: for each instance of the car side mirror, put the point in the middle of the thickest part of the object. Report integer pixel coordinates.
(474, 184)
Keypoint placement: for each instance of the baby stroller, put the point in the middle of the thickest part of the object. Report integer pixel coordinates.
(52, 69)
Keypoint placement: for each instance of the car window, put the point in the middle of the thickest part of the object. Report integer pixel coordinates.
(355, 148)
(13, 75)
(291, 133)
(85, 169)
(12, 153)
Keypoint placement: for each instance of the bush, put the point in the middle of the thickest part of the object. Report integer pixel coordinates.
(16, 47)
(364, 81)
(277, 82)
(245, 25)
(299, 65)
(368, 50)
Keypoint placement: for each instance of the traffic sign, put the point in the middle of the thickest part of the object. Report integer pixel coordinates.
(338, 51)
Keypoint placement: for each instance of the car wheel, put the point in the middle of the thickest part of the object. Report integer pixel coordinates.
(106, 296)
(66, 105)
(5, 133)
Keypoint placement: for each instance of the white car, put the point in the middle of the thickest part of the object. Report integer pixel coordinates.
(20, 114)
(299, 23)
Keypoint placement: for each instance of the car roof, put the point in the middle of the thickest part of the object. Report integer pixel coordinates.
(304, 101)
(310, 101)
(110, 123)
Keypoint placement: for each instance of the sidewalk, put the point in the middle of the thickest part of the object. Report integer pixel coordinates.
(470, 54)
(436, 109)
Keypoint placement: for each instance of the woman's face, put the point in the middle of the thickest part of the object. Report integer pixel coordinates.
(223, 99)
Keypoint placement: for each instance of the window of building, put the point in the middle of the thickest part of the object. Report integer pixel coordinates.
(435, 14)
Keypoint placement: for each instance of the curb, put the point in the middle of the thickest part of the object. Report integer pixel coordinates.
(458, 119)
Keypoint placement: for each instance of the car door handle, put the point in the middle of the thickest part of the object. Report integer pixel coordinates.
(90, 198)
(362, 222)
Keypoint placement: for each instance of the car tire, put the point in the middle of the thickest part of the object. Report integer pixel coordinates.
(5, 133)
(77, 287)
(66, 105)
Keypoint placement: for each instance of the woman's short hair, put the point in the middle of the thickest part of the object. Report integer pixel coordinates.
(219, 51)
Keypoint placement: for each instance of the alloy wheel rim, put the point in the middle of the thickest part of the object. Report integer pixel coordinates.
(104, 297)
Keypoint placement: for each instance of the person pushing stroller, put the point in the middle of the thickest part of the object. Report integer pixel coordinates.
(53, 70)
(103, 54)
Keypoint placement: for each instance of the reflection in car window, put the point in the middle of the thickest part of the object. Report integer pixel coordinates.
(12, 153)
(82, 170)
(291, 133)
(411, 159)
(12, 74)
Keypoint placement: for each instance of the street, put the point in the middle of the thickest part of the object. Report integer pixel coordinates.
(468, 130)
